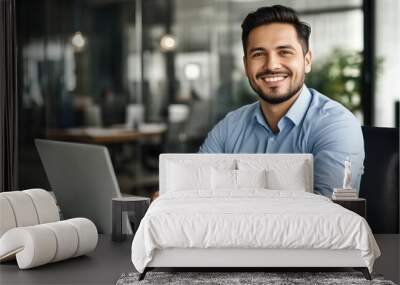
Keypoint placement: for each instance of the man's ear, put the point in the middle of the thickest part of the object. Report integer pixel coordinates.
(307, 61)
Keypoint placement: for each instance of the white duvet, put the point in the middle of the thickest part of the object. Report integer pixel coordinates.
(253, 218)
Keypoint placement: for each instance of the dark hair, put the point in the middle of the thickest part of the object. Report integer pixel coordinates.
(276, 14)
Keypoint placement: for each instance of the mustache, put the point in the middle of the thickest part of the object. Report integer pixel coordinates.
(268, 72)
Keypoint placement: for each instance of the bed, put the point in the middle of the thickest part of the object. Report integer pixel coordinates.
(246, 211)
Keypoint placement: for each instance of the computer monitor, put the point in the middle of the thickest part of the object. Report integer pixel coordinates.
(83, 180)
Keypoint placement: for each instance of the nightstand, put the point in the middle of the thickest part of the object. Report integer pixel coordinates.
(136, 205)
(358, 206)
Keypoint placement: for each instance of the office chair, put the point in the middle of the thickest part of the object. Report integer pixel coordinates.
(380, 181)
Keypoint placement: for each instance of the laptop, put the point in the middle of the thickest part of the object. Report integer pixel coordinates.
(83, 180)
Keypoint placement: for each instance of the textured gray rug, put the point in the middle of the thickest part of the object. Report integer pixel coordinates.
(230, 278)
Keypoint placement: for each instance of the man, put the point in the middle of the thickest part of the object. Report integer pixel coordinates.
(289, 117)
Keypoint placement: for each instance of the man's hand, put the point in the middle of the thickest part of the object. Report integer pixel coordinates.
(154, 195)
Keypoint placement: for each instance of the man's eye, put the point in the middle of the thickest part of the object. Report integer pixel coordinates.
(257, 54)
(285, 52)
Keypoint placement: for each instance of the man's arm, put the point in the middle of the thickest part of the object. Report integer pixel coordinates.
(335, 141)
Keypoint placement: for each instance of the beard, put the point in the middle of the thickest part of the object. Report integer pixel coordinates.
(271, 98)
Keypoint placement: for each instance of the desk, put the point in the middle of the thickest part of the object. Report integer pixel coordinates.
(110, 259)
(114, 139)
(104, 135)
(104, 265)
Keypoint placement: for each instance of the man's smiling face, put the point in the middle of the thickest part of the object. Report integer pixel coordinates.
(275, 63)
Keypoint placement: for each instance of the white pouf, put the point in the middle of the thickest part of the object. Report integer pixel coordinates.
(7, 220)
(23, 208)
(32, 233)
(45, 205)
(26, 208)
(37, 245)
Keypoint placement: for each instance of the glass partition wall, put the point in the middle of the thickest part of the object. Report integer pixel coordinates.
(171, 65)
(73, 61)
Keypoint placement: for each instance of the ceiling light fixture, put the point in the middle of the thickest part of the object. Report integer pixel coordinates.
(78, 41)
(192, 71)
(168, 42)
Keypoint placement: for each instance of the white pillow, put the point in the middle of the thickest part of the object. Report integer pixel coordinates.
(223, 179)
(235, 179)
(188, 177)
(293, 178)
(251, 179)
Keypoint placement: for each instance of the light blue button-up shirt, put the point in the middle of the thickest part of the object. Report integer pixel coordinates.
(313, 124)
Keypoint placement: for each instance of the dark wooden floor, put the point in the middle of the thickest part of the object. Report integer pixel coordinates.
(110, 260)
(102, 266)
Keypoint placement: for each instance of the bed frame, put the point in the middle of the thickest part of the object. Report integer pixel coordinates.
(250, 258)
(243, 259)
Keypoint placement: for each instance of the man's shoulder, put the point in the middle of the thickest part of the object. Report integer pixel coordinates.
(228, 129)
(242, 114)
(329, 121)
(325, 110)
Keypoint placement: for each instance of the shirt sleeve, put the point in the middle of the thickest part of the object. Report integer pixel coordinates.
(337, 139)
(215, 140)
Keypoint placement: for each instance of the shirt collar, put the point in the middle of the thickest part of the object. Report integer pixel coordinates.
(300, 106)
(294, 114)
(259, 116)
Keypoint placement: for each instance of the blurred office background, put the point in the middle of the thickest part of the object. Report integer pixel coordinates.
(174, 68)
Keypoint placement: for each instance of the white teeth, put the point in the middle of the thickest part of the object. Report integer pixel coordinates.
(273, 79)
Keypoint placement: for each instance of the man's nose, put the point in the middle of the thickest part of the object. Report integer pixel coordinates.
(272, 62)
